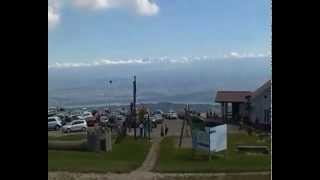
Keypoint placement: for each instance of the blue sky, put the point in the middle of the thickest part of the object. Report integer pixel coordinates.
(84, 30)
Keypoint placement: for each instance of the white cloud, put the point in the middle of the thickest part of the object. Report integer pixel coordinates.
(98, 63)
(53, 17)
(141, 7)
(234, 54)
(156, 60)
(92, 4)
(243, 55)
(103, 62)
(146, 7)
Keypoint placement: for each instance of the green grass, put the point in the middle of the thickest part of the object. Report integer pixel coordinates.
(172, 159)
(125, 156)
(71, 137)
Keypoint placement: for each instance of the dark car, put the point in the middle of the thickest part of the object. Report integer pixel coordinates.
(181, 115)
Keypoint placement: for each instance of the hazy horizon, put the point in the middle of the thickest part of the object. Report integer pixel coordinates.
(192, 82)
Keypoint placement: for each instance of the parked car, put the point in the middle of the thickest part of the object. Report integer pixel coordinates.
(91, 121)
(153, 121)
(75, 117)
(87, 114)
(77, 125)
(172, 115)
(158, 111)
(120, 120)
(104, 120)
(158, 118)
(54, 122)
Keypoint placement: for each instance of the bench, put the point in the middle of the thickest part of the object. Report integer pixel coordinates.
(250, 148)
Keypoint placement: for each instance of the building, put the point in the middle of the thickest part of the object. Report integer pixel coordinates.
(234, 101)
(238, 101)
(261, 104)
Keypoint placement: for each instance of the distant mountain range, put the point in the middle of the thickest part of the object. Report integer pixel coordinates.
(163, 106)
(190, 82)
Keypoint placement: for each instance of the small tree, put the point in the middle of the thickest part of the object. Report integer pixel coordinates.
(141, 113)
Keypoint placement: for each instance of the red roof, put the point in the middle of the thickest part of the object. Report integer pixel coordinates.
(232, 96)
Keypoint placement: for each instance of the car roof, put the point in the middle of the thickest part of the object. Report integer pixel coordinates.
(79, 120)
(53, 117)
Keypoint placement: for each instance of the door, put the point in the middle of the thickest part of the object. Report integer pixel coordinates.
(79, 126)
(75, 126)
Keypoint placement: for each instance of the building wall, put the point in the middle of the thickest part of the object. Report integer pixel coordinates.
(259, 105)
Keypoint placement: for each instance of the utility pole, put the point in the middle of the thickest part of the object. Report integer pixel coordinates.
(134, 107)
(149, 126)
(184, 121)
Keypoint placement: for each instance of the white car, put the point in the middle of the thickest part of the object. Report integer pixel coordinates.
(87, 114)
(77, 125)
(54, 122)
(158, 118)
(172, 115)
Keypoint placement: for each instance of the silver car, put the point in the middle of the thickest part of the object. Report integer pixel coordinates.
(77, 125)
(54, 123)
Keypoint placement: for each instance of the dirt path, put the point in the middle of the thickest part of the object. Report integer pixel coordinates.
(151, 158)
(144, 171)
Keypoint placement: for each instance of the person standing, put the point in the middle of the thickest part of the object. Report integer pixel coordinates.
(166, 130)
(144, 129)
(162, 131)
(141, 129)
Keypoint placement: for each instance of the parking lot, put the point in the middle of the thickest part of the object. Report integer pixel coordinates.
(174, 129)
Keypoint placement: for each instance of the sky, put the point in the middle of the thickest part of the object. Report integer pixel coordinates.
(86, 31)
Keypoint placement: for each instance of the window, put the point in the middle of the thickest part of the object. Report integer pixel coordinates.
(51, 120)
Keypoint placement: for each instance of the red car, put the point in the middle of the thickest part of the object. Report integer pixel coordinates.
(91, 122)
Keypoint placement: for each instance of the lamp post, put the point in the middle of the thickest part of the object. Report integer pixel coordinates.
(134, 108)
(149, 125)
(109, 87)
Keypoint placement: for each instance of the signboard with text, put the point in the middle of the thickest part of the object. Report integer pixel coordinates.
(213, 139)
